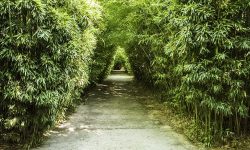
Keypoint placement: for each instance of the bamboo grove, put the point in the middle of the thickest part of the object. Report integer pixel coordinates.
(196, 53)
(46, 53)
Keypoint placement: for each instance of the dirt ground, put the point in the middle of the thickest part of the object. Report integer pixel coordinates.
(114, 119)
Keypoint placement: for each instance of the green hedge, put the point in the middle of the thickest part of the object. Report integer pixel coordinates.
(211, 43)
(45, 54)
(121, 60)
(108, 40)
(196, 53)
(102, 61)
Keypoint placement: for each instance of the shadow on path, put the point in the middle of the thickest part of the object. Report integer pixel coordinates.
(113, 119)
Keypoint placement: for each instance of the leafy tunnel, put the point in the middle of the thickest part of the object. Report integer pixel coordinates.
(195, 53)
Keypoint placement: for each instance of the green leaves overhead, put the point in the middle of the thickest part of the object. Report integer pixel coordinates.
(196, 52)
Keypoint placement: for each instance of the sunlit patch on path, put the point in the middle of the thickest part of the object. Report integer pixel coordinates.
(113, 119)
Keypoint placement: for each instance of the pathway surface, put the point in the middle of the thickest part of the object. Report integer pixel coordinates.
(113, 119)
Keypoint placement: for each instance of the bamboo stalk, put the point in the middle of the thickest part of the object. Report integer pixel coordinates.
(10, 19)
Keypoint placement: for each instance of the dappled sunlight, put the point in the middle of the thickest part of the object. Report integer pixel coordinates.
(120, 78)
(90, 61)
(113, 114)
(68, 129)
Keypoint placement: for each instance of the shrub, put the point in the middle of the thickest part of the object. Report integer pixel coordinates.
(45, 54)
(121, 60)
(197, 54)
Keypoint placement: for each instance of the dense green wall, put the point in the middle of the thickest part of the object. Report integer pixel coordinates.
(46, 53)
(196, 53)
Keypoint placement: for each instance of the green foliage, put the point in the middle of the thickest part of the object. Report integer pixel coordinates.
(102, 61)
(112, 36)
(213, 67)
(197, 53)
(45, 55)
(121, 60)
(104, 54)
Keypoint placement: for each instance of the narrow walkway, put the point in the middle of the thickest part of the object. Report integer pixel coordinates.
(113, 119)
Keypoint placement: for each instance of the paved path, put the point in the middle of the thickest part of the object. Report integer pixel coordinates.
(113, 119)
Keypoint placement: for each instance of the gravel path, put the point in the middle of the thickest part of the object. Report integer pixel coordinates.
(113, 119)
